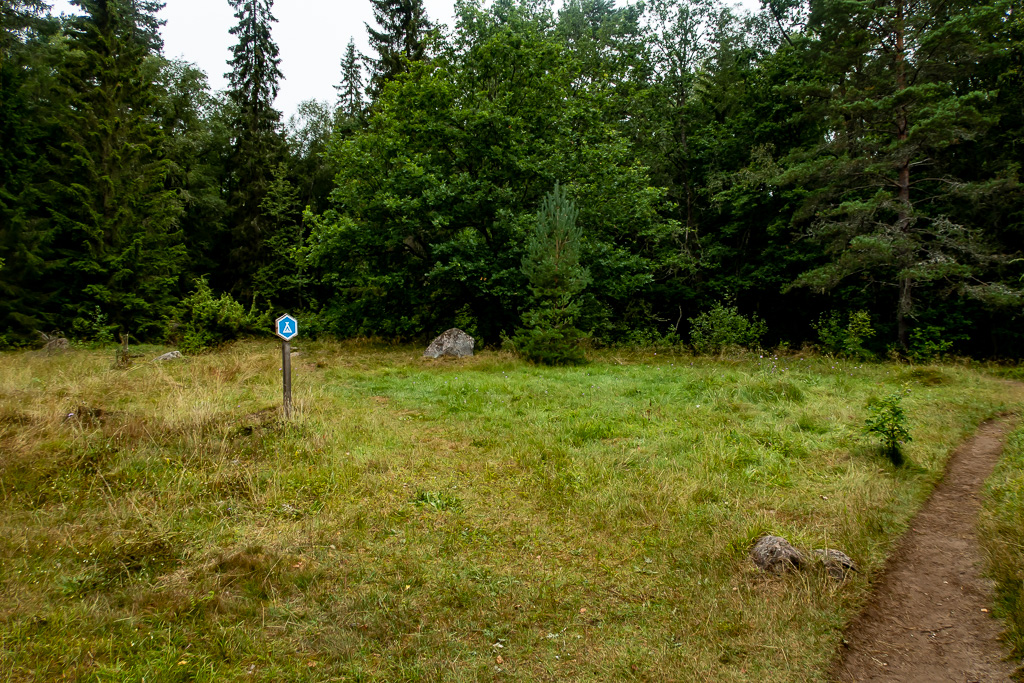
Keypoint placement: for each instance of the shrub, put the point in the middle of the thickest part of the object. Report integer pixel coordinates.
(846, 340)
(928, 344)
(204, 321)
(723, 326)
(888, 421)
(96, 328)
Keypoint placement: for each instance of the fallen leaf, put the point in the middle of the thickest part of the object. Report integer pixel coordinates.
(499, 660)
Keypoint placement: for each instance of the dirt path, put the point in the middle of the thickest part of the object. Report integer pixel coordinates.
(928, 620)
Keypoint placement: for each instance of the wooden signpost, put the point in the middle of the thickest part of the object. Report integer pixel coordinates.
(287, 329)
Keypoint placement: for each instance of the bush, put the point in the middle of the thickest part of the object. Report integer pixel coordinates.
(204, 322)
(722, 327)
(846, 340)
(96, 328)
(928, 344)
(888, 421)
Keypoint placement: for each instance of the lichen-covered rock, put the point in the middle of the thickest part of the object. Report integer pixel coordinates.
(775, 554)
(837, 564)
(453, 342)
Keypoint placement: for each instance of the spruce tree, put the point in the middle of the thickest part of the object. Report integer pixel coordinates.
(901, 102)
(350, 90)
(402, 38)
(118, 244)
(28, 102)
(259, 145)
(552, 267)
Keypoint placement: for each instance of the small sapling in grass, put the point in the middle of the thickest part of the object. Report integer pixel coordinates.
(888, 421)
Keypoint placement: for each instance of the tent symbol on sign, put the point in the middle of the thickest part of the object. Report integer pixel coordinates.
(287, 327)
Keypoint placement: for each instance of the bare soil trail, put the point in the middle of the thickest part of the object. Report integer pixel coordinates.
(929, 620)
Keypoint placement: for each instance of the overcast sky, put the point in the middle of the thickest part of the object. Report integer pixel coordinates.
(311, 35)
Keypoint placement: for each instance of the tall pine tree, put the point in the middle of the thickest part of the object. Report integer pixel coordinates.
(118, 243)
(28, 100)
(258, 142)
(350, 90)
(900, 106)
(401, 38)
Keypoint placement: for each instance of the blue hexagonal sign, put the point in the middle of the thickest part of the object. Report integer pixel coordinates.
(287, 327)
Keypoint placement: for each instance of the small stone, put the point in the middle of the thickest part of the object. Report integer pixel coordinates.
(453, 342)
(837, 563)
(775, 554)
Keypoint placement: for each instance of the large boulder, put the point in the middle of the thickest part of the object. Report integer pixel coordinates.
(453, 342)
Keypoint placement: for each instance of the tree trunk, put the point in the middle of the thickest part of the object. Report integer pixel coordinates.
(905, 305)
(903, 310)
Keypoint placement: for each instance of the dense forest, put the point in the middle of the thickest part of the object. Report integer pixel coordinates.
(835, 172)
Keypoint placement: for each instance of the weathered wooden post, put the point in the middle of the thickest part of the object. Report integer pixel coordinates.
(287, 329)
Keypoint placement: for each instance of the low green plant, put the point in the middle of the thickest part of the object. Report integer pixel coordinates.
(723, 326)
(650, 339)
(205, 321)
(95, 328)
(888, 421)
(845, 340)
(929, 343)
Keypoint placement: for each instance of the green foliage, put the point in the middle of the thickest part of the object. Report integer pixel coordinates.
(401, 38)
(557, 279)
(722, 327)
(29, 106)
(204, 321)
(913, 105)
(929, 343)
(258, 146)
(116, 242)
(434, 198)
(438, 501)
(846, 340)
(95, 327)
(888, 421)
(870, 150)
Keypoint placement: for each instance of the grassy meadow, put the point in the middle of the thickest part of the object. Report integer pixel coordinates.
(472, 520)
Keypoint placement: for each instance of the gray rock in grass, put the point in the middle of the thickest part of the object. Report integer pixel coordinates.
(837, 563)
(453, 342)
(775, 554)
(172, 355)
(52, 344)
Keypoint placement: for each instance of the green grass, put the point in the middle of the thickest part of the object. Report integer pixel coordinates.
(462, 521)
(1002, 536)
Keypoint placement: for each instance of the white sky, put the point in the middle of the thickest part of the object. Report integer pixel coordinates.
(311, 35)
